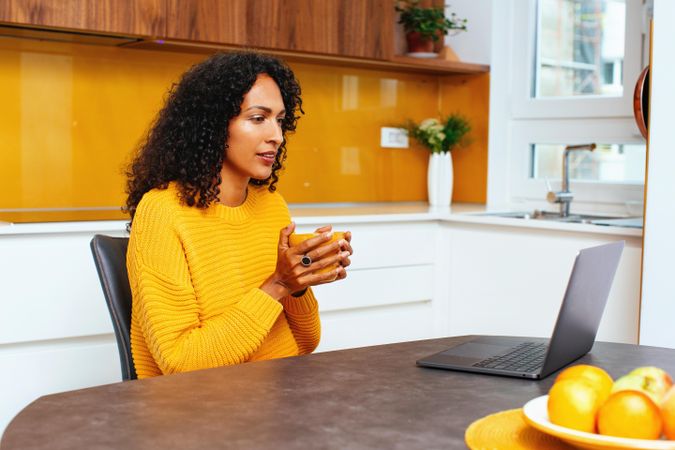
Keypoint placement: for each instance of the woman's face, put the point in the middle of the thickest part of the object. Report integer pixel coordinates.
(254, 136)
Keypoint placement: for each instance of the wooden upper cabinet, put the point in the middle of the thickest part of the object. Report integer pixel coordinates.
(357, 32)
(355, 28)
(215, 21)
(127, 17)
(297, 25)
(366, 28)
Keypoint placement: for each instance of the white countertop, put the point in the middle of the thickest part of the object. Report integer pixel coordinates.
(353, 213)
(378, 212)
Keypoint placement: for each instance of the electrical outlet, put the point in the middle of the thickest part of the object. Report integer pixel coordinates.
(393, 137)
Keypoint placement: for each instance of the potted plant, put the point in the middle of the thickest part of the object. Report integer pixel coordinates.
(440, 137)
(424, 26)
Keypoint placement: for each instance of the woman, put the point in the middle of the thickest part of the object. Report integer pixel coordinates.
(213, 278)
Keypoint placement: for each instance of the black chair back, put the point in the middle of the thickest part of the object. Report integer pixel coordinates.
(110, 256)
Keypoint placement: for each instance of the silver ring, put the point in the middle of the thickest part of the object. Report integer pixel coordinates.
(306, 261)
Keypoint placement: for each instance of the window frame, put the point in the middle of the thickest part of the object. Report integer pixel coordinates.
(586, 193)
(517, 120)
(524, 106)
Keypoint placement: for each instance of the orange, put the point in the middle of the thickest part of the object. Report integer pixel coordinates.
(596, 376)
(630, 414)
(668, 413)
(573, 403)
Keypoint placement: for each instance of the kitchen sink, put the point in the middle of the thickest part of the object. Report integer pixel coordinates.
(634, 222)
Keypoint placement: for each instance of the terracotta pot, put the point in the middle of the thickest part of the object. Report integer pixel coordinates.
(419, 44)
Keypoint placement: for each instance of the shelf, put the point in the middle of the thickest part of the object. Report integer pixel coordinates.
(439, 65)
(431, 66)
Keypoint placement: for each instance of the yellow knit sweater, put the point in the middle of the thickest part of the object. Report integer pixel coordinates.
(195, 277)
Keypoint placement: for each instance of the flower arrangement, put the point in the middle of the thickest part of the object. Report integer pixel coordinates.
(441, 136)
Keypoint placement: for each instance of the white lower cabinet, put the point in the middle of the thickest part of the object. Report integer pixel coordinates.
(410, 279)
(389, 294)
(511, 280)
(31, 370)
(55, 330)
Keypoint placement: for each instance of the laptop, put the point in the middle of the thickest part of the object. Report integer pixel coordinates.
(573, 334)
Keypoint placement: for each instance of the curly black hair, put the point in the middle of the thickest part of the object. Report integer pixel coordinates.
(187, 142)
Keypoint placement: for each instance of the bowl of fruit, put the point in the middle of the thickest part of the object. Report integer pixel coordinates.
(587, 408)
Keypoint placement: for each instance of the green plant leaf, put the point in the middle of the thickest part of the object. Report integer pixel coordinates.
(429, 22)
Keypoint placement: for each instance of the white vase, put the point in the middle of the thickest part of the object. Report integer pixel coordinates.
(440, 179)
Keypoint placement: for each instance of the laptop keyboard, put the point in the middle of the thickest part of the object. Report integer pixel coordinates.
(526, 357)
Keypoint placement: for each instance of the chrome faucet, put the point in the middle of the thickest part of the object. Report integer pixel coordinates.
(564, 196)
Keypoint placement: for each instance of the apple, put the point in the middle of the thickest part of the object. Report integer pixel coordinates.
(661, 381)
(668, 413)
(641, 383)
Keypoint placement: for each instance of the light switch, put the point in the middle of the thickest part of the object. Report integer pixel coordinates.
(393, 137)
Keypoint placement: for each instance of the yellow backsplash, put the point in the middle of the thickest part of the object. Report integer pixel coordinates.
(72, 114)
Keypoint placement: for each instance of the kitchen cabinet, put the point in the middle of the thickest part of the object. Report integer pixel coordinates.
(125, 17)
(355, 33)
(55, 330)
(208, 21)
(355, 28)
(390, 293)
(58, 334)
(366, 28)
(511, 280)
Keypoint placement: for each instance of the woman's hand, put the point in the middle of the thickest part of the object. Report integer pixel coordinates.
(345, 246)
(290, 276)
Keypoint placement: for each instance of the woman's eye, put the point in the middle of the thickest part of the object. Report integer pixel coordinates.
(258, 119)
(280, 120)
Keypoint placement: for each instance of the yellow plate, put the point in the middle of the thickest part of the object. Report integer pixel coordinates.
(536, 415)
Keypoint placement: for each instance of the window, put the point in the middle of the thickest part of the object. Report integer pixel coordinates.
(614, 163)
(568, 70)
(577, 57)
(612, 174)
(580, 48)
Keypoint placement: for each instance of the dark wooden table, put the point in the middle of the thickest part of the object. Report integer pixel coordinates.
(372, 397)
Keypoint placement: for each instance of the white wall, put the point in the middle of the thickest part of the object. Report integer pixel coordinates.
(498, 193)
(474, 45)
(658, 292)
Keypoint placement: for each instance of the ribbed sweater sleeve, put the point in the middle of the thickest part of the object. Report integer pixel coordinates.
(179, 340)
(303, 318)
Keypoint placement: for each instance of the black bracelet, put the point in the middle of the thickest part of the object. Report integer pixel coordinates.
(299, 294)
